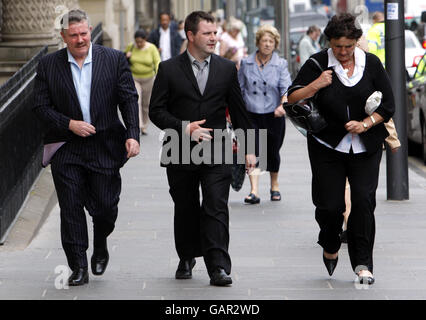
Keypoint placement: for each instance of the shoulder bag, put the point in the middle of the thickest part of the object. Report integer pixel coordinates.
(304, 113)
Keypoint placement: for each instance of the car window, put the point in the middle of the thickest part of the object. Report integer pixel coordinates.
(409, 43)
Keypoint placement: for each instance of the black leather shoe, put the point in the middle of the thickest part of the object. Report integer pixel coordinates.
(79, 277)
(330, 264)
(220, 278)
(99, 261)
(184, 269)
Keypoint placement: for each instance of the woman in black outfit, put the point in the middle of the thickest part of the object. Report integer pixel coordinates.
(350, 146)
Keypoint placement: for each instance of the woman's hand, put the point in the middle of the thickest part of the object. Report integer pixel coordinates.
(324, 80)
(279, 111)
(128, 54)
(310, 90)
(355, 127)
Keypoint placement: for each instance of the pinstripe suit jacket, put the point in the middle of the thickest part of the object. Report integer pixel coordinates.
(56, 103)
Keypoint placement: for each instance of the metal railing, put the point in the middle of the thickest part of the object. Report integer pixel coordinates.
(20, 142)
(97, 34)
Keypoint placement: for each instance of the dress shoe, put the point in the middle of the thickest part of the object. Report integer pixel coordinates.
(79, 277)
(220, 278)
(330, 264)
(184, 270)
(99, 261)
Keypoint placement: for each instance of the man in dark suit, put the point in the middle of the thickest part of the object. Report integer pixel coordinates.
(190, 95)
(166, 38)
(76, 94)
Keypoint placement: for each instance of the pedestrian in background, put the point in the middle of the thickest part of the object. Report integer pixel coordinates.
(351, 144)
(76, 94)
(264, 79)
(144, 60)
(195, 88)
(309, 44)
(376, 36)
(232, 44)
(166, 38)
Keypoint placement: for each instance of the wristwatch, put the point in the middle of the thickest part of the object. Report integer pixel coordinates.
(365, 126)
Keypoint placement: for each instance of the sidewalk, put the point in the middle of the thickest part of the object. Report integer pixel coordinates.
(273, 245)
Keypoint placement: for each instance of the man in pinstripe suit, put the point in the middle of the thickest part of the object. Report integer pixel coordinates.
(77, 91)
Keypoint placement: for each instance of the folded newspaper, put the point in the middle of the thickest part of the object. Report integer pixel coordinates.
(373, 102)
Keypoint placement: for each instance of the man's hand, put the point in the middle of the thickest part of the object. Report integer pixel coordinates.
(250, 163)
(279, 111)
(132, 147)
(197, 132)
(81, 128)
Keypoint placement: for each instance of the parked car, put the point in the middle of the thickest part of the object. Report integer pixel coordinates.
(413, 52)
(416, 107)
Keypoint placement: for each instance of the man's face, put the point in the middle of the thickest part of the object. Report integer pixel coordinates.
(204, 41)
(164, 21)
(316, 34)
(77, 37)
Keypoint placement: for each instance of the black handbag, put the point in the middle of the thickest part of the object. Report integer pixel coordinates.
(238, 169)
(304, 114)
(128, 59)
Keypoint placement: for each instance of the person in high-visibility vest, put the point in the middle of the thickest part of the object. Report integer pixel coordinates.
(376, 36)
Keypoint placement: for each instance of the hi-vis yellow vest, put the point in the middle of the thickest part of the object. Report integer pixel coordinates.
(376, 40)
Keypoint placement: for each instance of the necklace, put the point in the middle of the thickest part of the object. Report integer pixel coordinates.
(262, 63)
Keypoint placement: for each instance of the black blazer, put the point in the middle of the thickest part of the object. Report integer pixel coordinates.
(176, 97)
(333, 100)
(56, 102)
(175, 40)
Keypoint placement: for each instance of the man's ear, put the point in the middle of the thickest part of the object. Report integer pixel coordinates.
(190, 36)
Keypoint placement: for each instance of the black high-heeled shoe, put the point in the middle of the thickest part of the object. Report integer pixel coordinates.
(330, 264)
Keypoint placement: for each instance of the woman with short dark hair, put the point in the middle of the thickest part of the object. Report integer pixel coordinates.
(351, 144)
(144, 59)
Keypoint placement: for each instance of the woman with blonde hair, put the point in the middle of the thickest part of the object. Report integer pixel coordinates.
(232, 44)
(264, 79)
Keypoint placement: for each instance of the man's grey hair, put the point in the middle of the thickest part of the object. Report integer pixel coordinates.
(73, 16)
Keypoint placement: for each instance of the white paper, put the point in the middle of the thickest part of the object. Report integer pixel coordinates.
(392, 13)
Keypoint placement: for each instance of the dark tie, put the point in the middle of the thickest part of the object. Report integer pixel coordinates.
(201, 75)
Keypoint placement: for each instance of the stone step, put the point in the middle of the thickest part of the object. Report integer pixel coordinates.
(10, 66)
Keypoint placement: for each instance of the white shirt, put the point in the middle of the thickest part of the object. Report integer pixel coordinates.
(307, 47)
(351, 139)
(82, 79)
(166, 49)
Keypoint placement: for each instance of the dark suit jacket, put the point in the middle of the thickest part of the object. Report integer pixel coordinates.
(56, 103)
(176, 96)
(175, 40)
